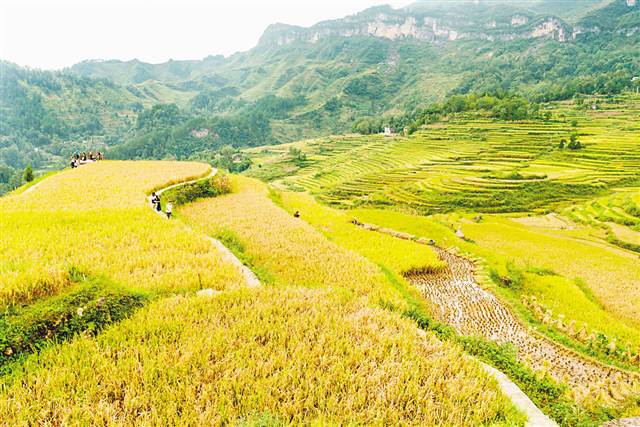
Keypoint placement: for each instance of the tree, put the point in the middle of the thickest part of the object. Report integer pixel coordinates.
(27, 176)
(563, 142)
(15, 181)
(574, 144)
(297, 156)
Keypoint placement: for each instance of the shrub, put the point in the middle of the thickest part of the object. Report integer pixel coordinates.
(211, 187)
(88, 308)
(514, 279)
(28, 174)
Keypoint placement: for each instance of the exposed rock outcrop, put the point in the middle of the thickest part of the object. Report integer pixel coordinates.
(433, 26)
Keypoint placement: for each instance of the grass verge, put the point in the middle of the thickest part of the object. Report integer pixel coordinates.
(87, 307)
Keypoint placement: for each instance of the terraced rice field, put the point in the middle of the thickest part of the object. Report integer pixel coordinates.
(612, 275)
(313, 348)
(618, 214)
(468, 163)
(95, 219)
(459, 301)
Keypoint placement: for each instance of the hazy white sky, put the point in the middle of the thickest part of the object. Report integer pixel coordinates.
(58, 33)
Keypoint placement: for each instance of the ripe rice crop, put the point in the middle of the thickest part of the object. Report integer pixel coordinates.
(296, 356)
(95, 219)
(398, 255)
(316, 348)
(612, 275)
(261, 225)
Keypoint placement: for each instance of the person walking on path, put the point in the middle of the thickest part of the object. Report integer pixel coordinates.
(169, 209)
(154, 201)
(158, 204)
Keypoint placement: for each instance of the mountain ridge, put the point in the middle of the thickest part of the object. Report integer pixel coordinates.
(424, 21)
(322, 81)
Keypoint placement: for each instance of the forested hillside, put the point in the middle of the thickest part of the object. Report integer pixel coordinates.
(378, 65)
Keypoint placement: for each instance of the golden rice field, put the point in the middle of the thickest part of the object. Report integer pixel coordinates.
(553, 233)
(243, 208)
(613, 275)
(96, 219)
(287, 355)
(313, 347)
(285, 241)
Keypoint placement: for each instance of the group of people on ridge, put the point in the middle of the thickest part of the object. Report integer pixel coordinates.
(157, 206)
(82, 158)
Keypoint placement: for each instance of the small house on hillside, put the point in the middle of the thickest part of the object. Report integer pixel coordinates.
(388, 131)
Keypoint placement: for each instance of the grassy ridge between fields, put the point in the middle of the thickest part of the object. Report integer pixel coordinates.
(86, 307)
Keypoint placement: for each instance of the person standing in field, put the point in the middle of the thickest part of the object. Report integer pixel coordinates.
(169, 209)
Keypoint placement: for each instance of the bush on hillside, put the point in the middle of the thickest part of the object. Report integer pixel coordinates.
(211, 187)
(28, 174)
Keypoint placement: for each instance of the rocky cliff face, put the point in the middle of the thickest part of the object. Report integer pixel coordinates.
(428, 29)
(436, 26)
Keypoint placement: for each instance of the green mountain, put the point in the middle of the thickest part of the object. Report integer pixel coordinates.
(305, 82)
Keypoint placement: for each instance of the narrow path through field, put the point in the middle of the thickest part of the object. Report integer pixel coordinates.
(459, 301)
(535, 417)
(249, 276)
(30, 189)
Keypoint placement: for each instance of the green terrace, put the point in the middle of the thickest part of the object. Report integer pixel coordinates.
(473, 163)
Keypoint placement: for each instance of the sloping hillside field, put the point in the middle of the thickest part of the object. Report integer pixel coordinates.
(107, 297)
(537, 243)
(389, 268)
(469, 162)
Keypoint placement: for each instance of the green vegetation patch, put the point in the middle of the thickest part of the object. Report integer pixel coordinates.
(88, 307)
(210, 187)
